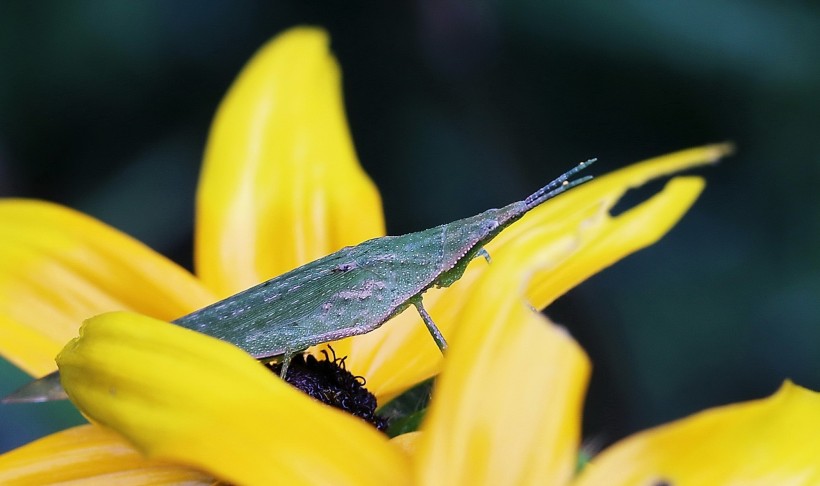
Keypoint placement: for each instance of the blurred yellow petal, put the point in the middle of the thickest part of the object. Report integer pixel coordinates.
(762, 442)
(89, 454)
(185, 397)
(408, 442)
(281, 184)
(508, 402)
(59, 266)
(401, 353)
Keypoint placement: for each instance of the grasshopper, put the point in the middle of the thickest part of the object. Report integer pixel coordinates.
(352, 291)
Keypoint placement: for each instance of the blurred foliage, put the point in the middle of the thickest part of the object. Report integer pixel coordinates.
(459, 105)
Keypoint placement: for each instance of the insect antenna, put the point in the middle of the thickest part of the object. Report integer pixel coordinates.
(559, 185)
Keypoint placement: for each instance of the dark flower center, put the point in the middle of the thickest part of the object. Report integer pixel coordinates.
(329, 382)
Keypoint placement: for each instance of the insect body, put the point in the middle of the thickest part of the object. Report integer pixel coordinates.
(352, 291)
(356, 289)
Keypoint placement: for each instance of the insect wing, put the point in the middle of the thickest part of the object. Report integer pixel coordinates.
(348, 292)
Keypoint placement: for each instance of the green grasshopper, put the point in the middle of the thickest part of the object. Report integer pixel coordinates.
(352, 291)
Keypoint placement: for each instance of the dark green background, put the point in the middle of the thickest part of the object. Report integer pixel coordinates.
(457, 106)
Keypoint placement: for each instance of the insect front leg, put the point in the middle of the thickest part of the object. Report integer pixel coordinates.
(483, 253)
(431, 326)
(286, 358)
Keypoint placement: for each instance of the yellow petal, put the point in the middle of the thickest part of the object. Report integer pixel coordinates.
(603, 240)
(59, 266)
(188, 398)
(89, 454)
(762, 442)
(507, 406)
(407, 442)
(576, 224)
(281, 184)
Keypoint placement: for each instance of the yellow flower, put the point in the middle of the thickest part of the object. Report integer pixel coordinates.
(281, 186)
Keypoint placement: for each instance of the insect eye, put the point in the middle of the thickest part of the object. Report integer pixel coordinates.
(344, 267)
(490, 225)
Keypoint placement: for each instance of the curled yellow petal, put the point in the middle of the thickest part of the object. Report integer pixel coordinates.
(508, 402)
(762, 442)
(90, 454)
(281, 184)
(59, 266)
(576, 225)
(185, 397)
(604, 239)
